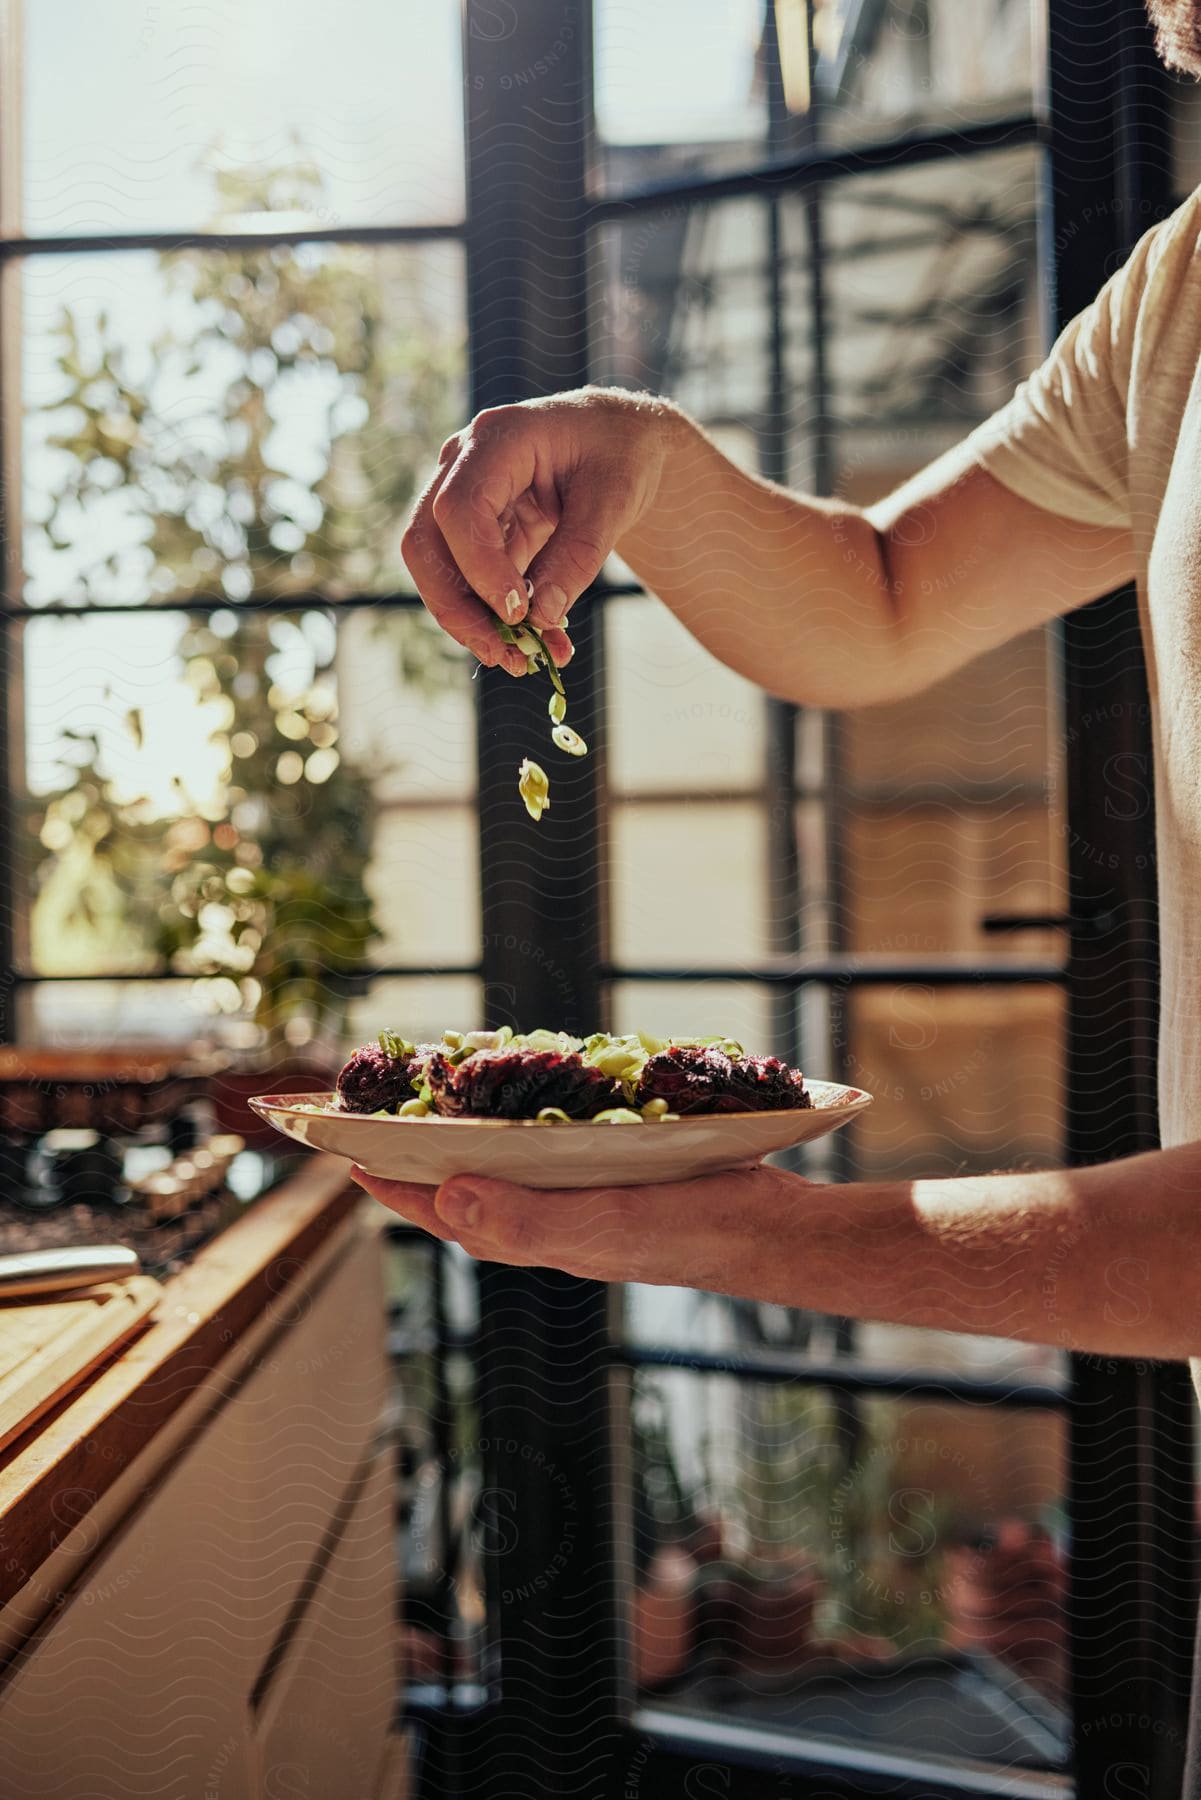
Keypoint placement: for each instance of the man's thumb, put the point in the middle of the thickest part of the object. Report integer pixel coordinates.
(590, 523)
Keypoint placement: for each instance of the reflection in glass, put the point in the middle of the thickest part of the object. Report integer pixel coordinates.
(681, 308)
(933, 310)
(906, 64)
(851, 72)
(442, 1592)
(885, 1572)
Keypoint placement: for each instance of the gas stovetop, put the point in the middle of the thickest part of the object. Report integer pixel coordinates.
(163, 1192)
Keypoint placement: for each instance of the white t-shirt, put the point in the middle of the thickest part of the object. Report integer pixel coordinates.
(1108, 431)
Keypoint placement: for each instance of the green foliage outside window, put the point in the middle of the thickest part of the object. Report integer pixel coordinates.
(263, 888)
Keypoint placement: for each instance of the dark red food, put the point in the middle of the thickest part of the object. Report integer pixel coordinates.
(695, 1080)
(517, 1084)
(374, 1081)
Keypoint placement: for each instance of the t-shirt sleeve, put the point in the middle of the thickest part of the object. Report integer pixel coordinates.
(1063, 441)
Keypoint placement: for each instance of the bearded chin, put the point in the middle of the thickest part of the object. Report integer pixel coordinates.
(1178, 33)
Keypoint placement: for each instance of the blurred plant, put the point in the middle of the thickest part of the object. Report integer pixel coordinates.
(811, 1480)
(267, 446)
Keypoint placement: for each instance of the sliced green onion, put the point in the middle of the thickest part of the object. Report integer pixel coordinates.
(557, 708)
(569, 740)
(534, 788)
(553, 1115)
(412, 1109)
(615, 1060)
(618, 1115)
(655, 1109)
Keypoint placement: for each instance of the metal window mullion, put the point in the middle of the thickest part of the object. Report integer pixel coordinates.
(783, 863)
(223, 243)
(814, 167)
(203, 605)
(850, 973)
(545, 1385)
(847, 1378)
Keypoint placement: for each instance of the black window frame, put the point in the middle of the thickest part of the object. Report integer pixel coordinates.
(562, 1722)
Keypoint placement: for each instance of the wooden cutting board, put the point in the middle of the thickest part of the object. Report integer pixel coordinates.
(50, 1345)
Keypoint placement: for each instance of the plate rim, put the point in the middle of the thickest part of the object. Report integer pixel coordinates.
(265, 1104)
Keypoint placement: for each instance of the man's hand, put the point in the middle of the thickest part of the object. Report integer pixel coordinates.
(1104, 1259)
(545, 489)
(704, 1233)
(819, 601)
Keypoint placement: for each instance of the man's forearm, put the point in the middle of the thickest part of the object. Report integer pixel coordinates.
(1104, 1259)
(832, 605)
(754, 571)
(1100, 1259)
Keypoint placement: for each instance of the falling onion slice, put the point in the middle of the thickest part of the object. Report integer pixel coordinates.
(533, 784)
(534, 788)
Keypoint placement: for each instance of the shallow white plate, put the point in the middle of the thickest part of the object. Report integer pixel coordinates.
(430, 1150)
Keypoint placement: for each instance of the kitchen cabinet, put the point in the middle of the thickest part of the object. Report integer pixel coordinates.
(203, 1601)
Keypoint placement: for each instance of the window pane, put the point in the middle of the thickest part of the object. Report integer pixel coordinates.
(714, 1324)
(424, 881)
(196, 807)
(419, 1007)
(239, 424)
(971, 824)
(693, 1009)
(681, 308)
(408, 707)
(288, 115)
(880, 69)
(689, 884)
(90, 1014)
(932, 309)
(409, 719)
(677, 720)
(883, 1573)
(966, 1080)
(709, 115)
(849, 73)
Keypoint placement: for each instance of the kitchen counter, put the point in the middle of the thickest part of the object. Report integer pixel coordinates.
(197, 1566)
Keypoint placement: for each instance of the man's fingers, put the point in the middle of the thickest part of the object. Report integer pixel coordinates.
(593, 516)
(527, 528)
(409, 1199)
(442, 587)
(476, 497)
(679, 1232)
(582, 1230)
(560, 647)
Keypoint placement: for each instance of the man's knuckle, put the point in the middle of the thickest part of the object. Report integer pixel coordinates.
(445, 506)
(492, 421)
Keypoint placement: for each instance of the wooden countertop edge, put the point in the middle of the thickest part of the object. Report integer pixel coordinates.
(49, 1480)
